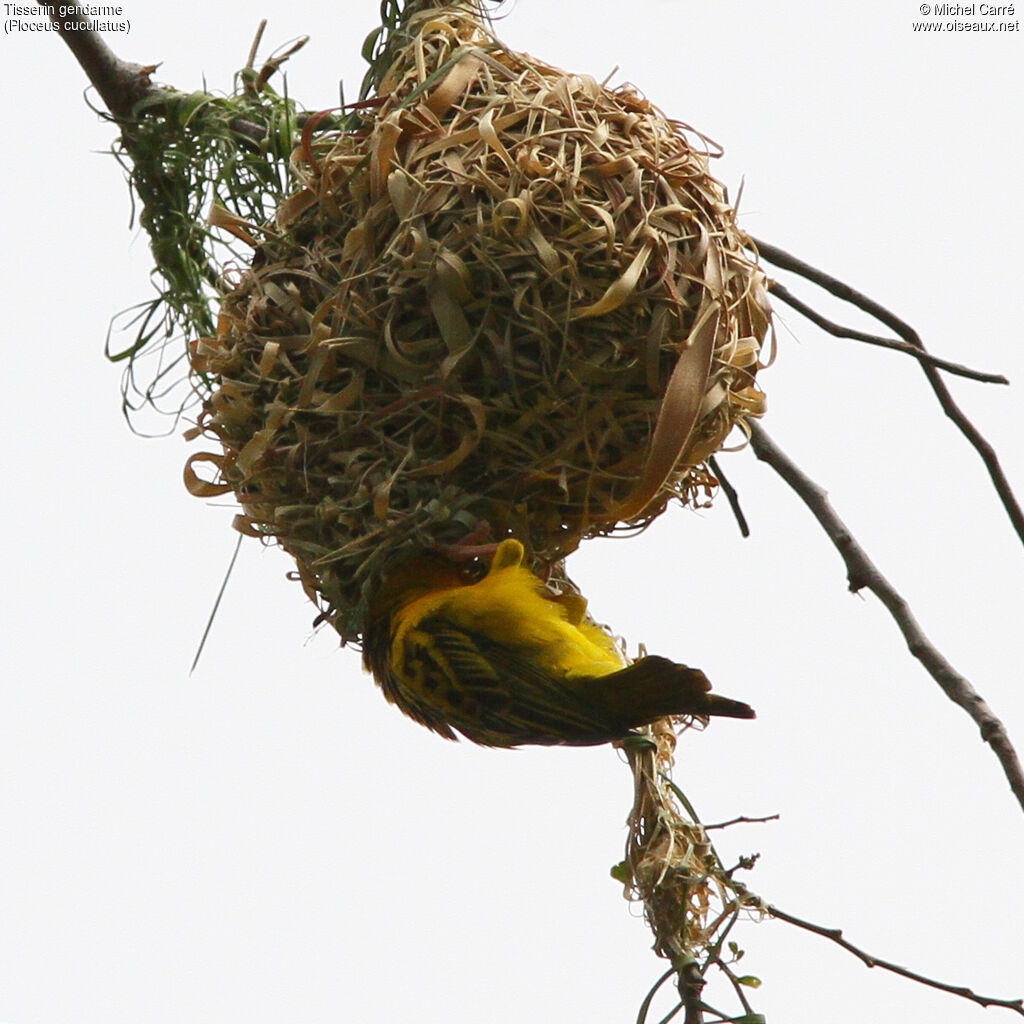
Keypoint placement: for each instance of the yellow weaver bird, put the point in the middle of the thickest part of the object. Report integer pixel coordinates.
(503, 661)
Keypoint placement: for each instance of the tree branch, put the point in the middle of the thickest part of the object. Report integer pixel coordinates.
(785, 261)
(836, 936)
(732, 496)
(862, 573)
(839, 331)
(742, 820)
(120, 84)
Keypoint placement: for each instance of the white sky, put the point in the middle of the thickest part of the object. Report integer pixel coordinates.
(267, 840)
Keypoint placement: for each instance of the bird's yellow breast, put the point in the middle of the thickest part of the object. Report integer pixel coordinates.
(509, 607)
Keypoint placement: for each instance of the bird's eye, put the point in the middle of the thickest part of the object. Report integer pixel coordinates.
(473, 572)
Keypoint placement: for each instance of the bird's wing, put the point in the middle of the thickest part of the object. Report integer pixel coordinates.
(493, 693)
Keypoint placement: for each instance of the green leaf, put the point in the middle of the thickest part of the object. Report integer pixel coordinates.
(370, 42)
(621, 873)
(750, 981)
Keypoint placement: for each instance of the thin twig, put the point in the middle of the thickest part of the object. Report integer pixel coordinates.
(673, 1013)
(731, 495)
(836, 936)
(839, 331)
(861, 572)
(785, 261)
(735, 982)
(745, 863)
(260, 29)
(742, 821)
(645, 1006)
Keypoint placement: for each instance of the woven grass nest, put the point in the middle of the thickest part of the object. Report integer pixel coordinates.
(511, 300)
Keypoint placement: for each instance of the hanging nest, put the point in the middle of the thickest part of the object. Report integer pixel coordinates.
(507, 296)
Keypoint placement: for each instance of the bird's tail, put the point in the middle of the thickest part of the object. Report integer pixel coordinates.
(654, 687)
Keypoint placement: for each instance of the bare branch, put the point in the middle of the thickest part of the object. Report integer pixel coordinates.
(839, 331)
(735, 982)
(731, 495)
(120, 84)
(836, 936)
(690, 983)
(785, 261)
(742, 820)
(862, 573)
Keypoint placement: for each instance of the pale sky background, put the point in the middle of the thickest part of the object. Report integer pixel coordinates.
(268, 841)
